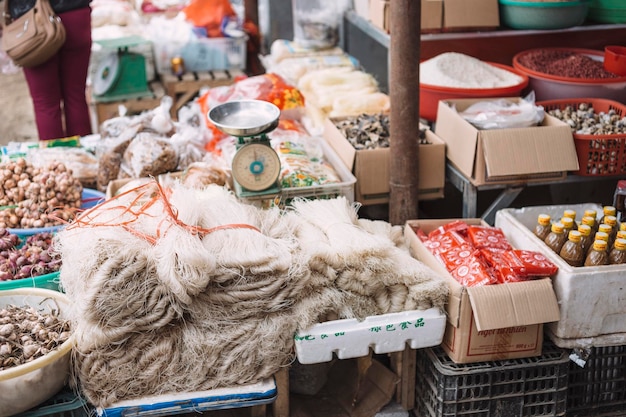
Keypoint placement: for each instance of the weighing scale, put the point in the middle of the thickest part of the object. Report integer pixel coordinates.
(256, 165)
(121, 75)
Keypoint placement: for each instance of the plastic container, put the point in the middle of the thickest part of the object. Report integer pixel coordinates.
(600, 318)
(316, 22)
(64, 404)
(89, 198)
(47, 281)
(25, 386)
(615, 59)
(615, 13)
(598, 155)
(431, 94)
(385, 333)
(599, 387)
(543, 15)
(551, 87)
(535, 386)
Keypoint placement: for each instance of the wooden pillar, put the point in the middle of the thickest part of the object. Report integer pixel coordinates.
(404, 57)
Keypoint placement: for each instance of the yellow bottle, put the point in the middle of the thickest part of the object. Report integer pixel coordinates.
(608, 211)
(591, 222)
(568, 224)
(611, 221)
(585, 236)
(570, 213)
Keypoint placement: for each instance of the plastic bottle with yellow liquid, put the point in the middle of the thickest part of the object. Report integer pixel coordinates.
(598, 254)
(556, 238)
(618, 253)
(542, 228)
(585, 236)
(572, 251)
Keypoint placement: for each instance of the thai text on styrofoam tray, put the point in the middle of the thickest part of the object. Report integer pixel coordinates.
(385, 333)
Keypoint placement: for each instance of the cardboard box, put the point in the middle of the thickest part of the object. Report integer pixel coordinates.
(466, 14)
(362, 8)
(431, 15)
(591, 298)
(371, 167)
(379, 14)
(503, 156)
(490, 322)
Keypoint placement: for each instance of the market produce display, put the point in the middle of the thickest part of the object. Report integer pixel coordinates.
(29, 258)
(35, 197)
(199, 290)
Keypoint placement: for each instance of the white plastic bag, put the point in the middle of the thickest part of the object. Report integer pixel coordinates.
(504, 114)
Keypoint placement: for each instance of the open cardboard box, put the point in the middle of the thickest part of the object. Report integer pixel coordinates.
(490, 322)
(497, 156)
(371, 167)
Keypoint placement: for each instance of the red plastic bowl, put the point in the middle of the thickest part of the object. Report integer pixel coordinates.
(615, 59)
(430, 95)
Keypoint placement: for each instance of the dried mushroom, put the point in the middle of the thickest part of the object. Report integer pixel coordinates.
(369, 131)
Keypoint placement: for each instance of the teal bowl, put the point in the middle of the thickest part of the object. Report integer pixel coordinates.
(48, 281)
(542, 15)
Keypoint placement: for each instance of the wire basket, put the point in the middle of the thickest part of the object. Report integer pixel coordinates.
(598, 155)
(535, 386)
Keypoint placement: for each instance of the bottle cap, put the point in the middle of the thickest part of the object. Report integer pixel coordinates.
(622, 226)
(610, 220)
(599, 244)
(568, 222)
(621, 234)
(588, 220)
(604, 228)
(544, 219)
(584, 229)
(620, 244)
(602, 236)
(591, 213)
(574, 235)
(609, 210)
(557, 227)
(570, 213)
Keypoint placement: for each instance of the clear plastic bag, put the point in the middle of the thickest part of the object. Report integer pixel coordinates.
(504, 114)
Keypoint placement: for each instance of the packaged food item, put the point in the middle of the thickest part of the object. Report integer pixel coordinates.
(607, 211)
(570, 214)
(572, 251)
(598, 254)
(585, 236)
(487, 237)
(568, 224)
(612, 222)
(534, 264)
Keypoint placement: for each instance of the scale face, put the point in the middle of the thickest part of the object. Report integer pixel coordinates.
(256, 166)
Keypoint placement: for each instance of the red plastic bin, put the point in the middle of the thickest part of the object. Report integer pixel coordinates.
(598, 155)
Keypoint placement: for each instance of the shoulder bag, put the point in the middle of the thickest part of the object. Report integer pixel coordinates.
(32, 38)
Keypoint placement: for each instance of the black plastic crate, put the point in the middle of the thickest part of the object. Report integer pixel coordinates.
(532, 387)
(598, 388)
(64, 404)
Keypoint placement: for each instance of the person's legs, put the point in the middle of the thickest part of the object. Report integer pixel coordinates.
(45, 91)
(74, 58)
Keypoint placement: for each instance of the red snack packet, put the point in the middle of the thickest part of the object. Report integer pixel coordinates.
(472, 271)
(488, 237)
(440, 243)
(534, 264)
(458, 226)
(501, 265)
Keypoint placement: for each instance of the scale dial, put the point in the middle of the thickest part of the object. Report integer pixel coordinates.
(256, 166)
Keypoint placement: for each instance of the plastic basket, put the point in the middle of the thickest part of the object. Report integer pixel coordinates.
(598, 155)
(535, 386)
(598, 388)
(64, 404)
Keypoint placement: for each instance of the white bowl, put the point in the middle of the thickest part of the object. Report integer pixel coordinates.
(26, 386)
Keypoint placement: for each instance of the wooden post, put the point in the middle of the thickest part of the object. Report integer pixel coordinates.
(404, 57)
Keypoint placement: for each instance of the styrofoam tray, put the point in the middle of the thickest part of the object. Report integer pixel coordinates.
(385, 333)
(263, 392)
(592, 300)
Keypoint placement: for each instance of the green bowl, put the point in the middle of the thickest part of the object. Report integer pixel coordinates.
(609, 4)
(47, 281)
(543, 15)
(604, 15)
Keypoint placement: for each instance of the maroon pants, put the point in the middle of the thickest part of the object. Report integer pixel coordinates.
(57, 86)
